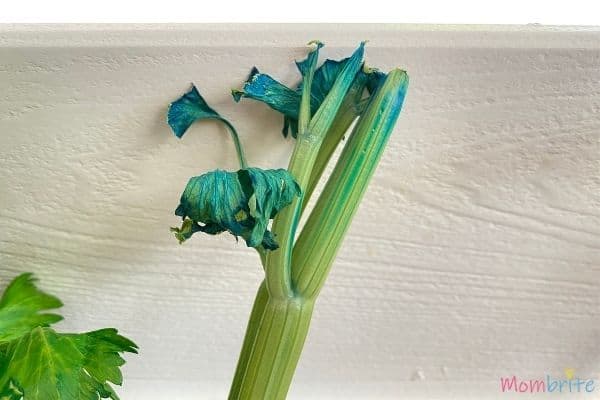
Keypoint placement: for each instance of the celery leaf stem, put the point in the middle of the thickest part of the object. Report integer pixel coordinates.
(278, 262)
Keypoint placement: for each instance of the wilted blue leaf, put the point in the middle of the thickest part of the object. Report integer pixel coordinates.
(187, 109)
(374, 79)
(241, 203)
(192, 107)
(324, 79)
(264, 88)
(272, 190)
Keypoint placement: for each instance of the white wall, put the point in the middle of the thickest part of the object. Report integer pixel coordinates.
(475, 253)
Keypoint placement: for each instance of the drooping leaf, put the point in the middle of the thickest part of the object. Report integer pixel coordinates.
(329, 108)
(324, 79)
(310, 61)
(374, 80)
(192, 107)
(279, 97)
(53, 366)
(188, 109)
(215, 198)
(272, 191)
(188, 228)
(264, 88)
(23, 306)
(241, 203)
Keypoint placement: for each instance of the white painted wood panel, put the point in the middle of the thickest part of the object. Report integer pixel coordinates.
(475, 254)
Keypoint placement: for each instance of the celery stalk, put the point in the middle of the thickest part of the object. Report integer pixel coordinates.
(319, 112)
(278, 326)
(326, 226)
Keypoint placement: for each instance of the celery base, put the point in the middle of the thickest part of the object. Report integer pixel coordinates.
(274, 339)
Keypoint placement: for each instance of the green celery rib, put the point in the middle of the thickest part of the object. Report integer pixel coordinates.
(277, 266)
(278, 262)
(350, 109)
(338, 129)
(248, 347)
(283, 307)
(272, 347)
(326, 226)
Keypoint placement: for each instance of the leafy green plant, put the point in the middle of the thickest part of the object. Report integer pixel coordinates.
(39, 363)
(264, 207)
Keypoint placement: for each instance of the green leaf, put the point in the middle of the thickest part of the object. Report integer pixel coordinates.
(101, 349)
(188, 228)
(11, 391)
(22, 306)
(53, 366)
(241, 203)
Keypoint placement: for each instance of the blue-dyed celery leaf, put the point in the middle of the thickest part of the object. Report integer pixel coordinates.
(374, 79)
(272, 190)
(305, 65)
(188, 109)
(324, 79)
(263, 87)
(279, 97)
(241, 203)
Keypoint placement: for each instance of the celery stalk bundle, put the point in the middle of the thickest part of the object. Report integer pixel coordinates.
(317, 113)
